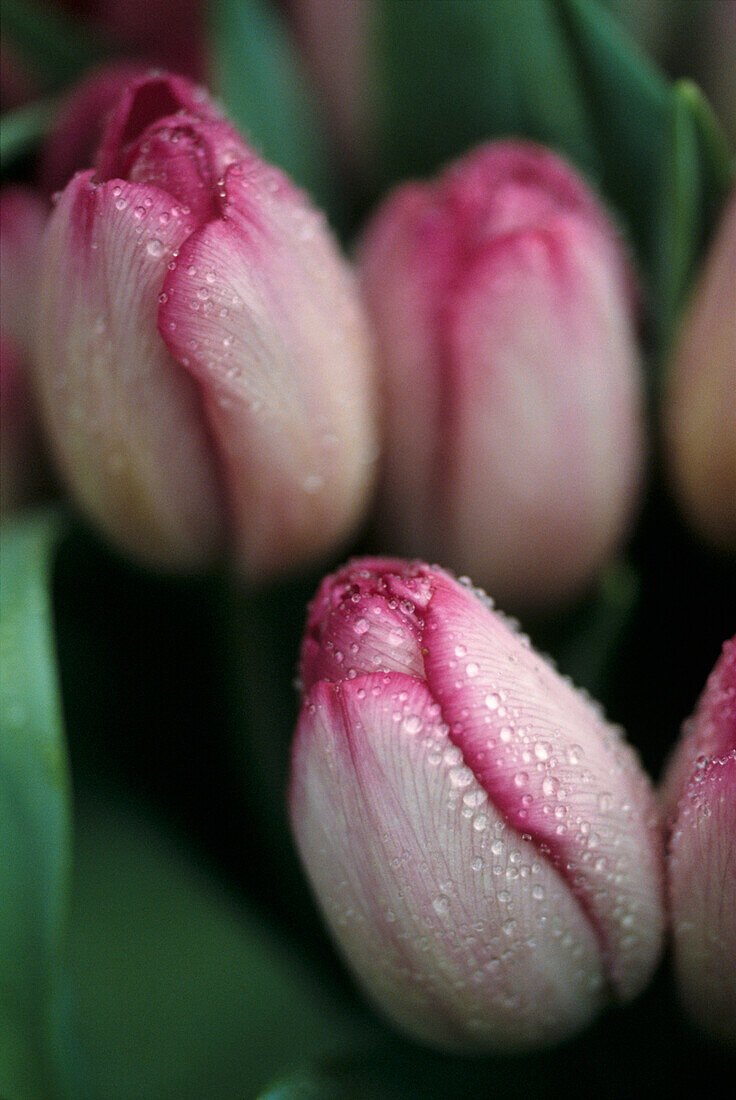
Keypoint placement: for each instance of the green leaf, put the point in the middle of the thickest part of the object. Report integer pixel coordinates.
(679, 225)
(696, 173)
(23, 128)
(181, 992)
(717, 155)
(58, 49)
(35, 828)
(627, 99)
(255, 73)
(456, 74)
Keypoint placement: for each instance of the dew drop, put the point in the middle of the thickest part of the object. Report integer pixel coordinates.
(461, 777)
(441, 905)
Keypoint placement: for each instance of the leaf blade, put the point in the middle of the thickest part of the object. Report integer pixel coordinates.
(35, 823)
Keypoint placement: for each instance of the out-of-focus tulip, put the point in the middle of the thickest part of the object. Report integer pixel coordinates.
(80, 123)
(334, 42)
(700, 797)
(700, 404)
(503, 305)
(23, 215)
(483, 845)
(203, 361)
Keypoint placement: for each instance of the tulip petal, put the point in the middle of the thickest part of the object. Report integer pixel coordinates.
(142, 102)
(711, 732)
(702, 883)
(187, 158)
(541, 449)
(556, 770)
(263, 313)
(363, 620)
(124, 419)
(453, 921)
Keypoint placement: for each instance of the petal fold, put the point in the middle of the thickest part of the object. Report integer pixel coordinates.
(263, 313)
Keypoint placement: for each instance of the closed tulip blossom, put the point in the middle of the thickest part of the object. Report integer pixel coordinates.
(203, 362)
(700, 797)
(335, 42)
(484, 846)
(503, 303)
(700, 402)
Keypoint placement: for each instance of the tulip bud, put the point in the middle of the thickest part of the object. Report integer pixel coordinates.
(700, 404)
(22, 218)
(334, 42)
(502, 301)
(203, 360)
(700, 797)
(483, 845)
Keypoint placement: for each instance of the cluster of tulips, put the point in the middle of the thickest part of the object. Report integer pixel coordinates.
(217, 383)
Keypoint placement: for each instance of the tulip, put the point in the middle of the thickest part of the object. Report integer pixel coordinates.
(22, 217)
(204, 365)
(333, 40)
(700, 402)
(699, 792)
(483, 845)
(503, 305)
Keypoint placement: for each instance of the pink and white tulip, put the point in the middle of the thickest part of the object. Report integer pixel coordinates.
(23, 215)
(700, 797)
(700, 404)
(204, 363)
(504, 307)
(484, 846)
(336, 44)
